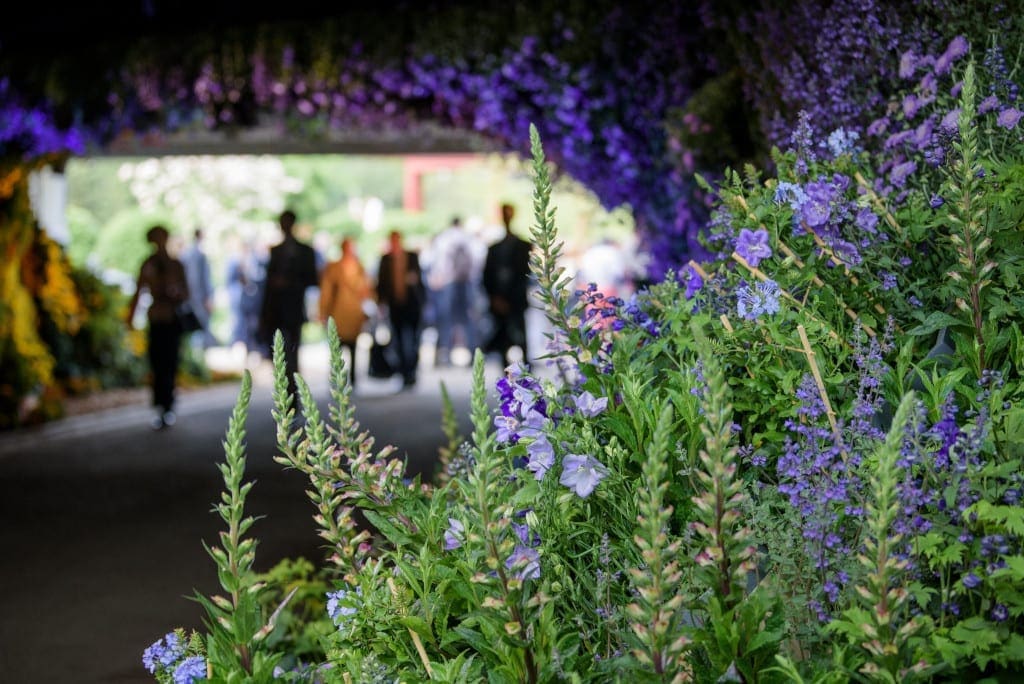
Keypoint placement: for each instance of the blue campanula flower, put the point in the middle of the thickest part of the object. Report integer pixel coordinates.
(817, 209)
(192, 669)
(454, 536)
(791, 194)
(525, 561)
(541, 457)
(867, 220)
(752, 302)
(753, 245)
(582, 473)
(936, 201)
(971, 580)
(999, 613)
(588, 405)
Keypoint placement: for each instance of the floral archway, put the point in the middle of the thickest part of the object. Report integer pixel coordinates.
(631, 102)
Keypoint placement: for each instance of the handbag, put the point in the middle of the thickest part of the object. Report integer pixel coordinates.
(188, 322)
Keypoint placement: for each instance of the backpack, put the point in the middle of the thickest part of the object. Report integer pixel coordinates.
(462, 263)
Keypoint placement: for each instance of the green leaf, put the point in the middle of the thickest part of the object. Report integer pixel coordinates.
(935, 321)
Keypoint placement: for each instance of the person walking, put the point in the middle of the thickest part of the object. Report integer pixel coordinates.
(344, 287)
(400, 288)
(163, 277)
(291, 269)
(506, 278)
(200, 290)
(455, 275)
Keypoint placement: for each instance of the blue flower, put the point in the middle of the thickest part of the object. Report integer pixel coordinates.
(753, 246)
(692, 281)
(525, 561)
(190, 670)
(791, 194)
(590, 406)
(936, 201)
(817, 209)
(582, 473)
(163, 653)
(340, 604)
(971, 580)
(842, 141)
(751, 302)
(900, 172)
(453, 536)
(541, 457)
(999, 613)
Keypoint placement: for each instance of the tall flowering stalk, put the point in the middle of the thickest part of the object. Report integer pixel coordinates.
(878, 625)
(741, 631)
(318, 458)
(966, 218)
(655, 616)
(236, 623)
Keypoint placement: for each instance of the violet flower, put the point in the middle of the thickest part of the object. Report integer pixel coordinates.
(590, 406)
(582, 473)
(454, 535)
(525, 561)
(541, 456)
(753, 245)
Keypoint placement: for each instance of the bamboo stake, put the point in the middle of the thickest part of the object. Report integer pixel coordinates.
(820, 283)
(809, 353)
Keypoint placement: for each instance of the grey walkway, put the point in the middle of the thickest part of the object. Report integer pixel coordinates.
(103, 519)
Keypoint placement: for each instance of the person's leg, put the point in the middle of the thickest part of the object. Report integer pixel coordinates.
(443, 314)
(404, 328)
(164, 344)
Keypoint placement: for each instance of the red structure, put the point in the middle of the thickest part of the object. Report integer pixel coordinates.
(413, 168)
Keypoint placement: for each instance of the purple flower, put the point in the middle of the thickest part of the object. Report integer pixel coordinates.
(999, 612)
(590, 406)
(753, 245)
(541, 457)
(525, 561)
(692, 280)
(971, 580)
(192, 669)
(816, 210)
(900, 172)
(1008, 118)
(453, 537)
(791, 194)
(888, 280)
(989, 104)
(842, 141)
(951, 122)
(582, 473)
(958, 47)
(867, 220)
(908, 64)
(936, 201)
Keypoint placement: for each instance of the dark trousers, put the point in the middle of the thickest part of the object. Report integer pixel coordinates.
(405, 329)
(164, 355)
(509, 331)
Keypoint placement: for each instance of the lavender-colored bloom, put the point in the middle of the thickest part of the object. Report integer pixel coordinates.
(1008, 118)
(951, 122)
(589, 406)
(936, 201)
(192, 669)
(751, 302)
(888, 280)
(908, 64)
(692, 281)
(816, 210)
(971, 580)
(867, 220)
(453, 536)
(900, 172)
(989, 104)
(911, 105)
(163, 653)
(582, 473)
(526, 562)
(999, 613)
(957, 48)
(753, 245)
(541, 457)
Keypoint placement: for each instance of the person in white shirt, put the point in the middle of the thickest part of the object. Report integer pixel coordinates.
(455, 277)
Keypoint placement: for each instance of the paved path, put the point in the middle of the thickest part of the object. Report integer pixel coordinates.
(103, 519)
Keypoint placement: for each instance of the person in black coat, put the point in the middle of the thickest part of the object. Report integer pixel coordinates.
(291, 269)
(400, 288)
(506, 280)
